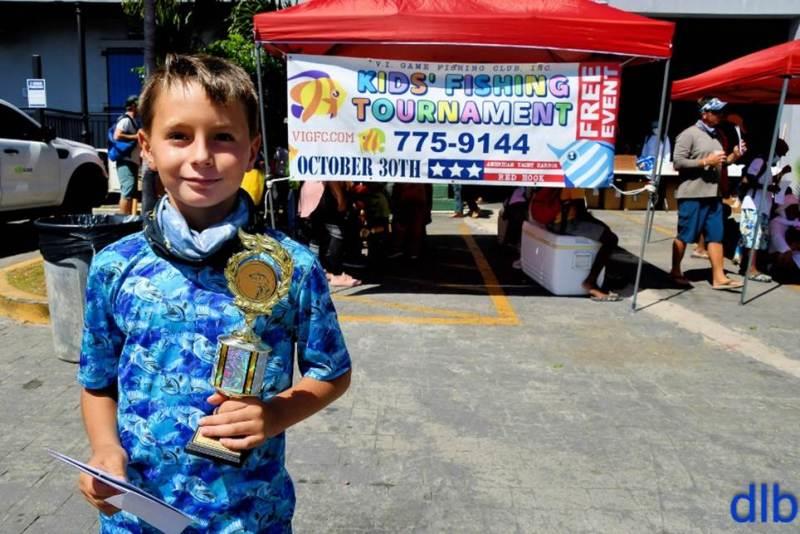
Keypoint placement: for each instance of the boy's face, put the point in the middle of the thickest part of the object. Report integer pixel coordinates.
(201, 151)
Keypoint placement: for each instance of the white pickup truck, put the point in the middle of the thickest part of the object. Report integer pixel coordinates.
(41, 172)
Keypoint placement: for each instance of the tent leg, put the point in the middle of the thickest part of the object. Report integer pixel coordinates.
(268, 206)
(641, 254)
(751, 255)
(650, 215)
(657, 178)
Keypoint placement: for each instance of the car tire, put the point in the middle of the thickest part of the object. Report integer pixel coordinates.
(87, 188)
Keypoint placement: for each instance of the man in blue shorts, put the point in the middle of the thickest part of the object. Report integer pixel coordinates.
(699, 158)
(128, 167)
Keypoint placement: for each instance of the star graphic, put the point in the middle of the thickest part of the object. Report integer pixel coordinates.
(455, 170)
(474, 171)
(437, 170)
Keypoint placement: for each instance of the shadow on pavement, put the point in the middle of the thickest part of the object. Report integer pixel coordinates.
(18, 237)
(449, 267)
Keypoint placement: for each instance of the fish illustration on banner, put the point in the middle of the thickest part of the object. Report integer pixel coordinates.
(371, 140)
(586, 164)
(318, 95)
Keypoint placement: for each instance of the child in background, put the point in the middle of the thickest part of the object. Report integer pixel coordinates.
(783, 244)
(158, 300)
(754, 225)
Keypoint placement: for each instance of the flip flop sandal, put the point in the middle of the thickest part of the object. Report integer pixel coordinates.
(733, 284)
(611, 297)
(700, 255)
(760, 277)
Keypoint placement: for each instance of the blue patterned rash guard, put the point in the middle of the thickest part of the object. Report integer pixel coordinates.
(151, 328)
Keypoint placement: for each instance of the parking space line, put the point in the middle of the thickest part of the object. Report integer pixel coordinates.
(442, 316)
(499, 299)
(658, 228)
(405, 307)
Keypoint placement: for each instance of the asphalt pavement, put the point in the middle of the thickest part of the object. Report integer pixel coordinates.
(481, 403)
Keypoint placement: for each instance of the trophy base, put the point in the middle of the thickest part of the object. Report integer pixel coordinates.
(212, 449)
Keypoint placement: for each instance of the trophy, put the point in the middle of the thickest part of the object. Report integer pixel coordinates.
(257, 284)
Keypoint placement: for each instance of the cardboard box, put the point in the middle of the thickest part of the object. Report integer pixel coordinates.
(635, 202)
(624, 162)
(669, 186)
(612, 199)
(594, 198)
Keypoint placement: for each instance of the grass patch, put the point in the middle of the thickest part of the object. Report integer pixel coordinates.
(29, 279)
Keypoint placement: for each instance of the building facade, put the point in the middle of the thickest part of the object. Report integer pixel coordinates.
(712, 32)
(113, 47)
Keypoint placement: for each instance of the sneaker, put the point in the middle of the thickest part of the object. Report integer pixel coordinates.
(456, 215)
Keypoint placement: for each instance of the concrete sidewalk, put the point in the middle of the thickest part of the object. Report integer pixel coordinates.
(480, 403)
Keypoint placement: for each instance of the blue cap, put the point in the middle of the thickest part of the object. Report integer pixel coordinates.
(713, 104)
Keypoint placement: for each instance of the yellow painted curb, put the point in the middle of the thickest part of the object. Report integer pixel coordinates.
(442, 316)
(21, 305)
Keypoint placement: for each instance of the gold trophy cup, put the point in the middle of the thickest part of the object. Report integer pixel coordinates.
(257, 285)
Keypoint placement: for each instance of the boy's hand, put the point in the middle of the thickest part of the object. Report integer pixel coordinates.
(240, 424)
(113, 460)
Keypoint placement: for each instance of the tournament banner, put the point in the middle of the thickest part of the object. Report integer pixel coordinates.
(543, 124)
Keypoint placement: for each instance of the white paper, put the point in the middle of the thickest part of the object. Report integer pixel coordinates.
(133, 500)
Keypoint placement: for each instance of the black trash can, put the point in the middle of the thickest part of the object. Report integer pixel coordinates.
(68, 243)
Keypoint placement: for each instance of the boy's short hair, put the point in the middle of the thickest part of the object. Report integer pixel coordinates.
(223, 82)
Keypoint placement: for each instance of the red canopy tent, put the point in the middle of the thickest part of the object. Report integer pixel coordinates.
(756, 78)
(469, 31)
(769, 76)
(463, 30)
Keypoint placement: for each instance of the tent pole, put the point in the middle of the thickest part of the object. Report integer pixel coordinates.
(650, 213)
(767, 183)
(657, 178)
(264, 149)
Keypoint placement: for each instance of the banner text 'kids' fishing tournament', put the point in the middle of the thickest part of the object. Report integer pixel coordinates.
(545, 124)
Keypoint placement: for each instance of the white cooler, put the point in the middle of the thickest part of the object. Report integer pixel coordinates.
(559, 263)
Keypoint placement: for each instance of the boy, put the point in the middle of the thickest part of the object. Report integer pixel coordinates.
(158, 300)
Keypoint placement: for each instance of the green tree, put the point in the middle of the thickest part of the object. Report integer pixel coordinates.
(238, 46)
(181, 27)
